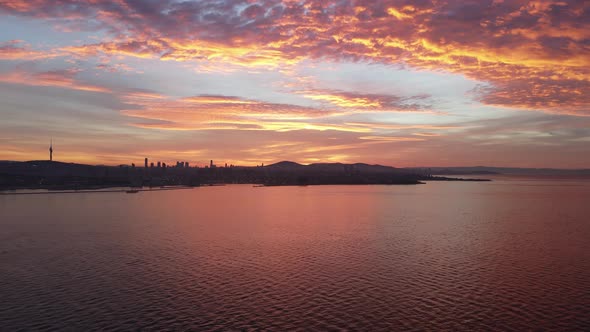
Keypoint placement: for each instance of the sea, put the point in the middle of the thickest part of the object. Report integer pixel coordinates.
(512, 254)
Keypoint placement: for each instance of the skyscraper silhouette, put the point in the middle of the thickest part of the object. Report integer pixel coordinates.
(51, 150)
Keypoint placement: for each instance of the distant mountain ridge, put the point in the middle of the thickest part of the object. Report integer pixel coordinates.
(285, 165)
(479, 170)
(460, 170)
(339, 167)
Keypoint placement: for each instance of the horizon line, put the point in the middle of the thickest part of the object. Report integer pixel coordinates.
(315, 163)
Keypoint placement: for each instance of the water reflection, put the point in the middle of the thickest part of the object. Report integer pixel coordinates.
(507, 255)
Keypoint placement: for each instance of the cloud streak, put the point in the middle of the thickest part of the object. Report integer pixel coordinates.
(213, 112)
(18, 50)
(56, 78)
(367, 101)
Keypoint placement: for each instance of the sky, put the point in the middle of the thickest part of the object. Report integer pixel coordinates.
(244, 82)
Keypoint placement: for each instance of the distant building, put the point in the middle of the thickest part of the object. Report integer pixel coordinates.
(186, 164)
(146, 163)
(51, 150)
(151, 165)
(159, 164)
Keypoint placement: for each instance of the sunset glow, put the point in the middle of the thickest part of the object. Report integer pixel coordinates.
(400, 83)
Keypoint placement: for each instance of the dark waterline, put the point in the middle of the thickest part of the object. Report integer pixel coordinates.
(88, 191)
(504, 255)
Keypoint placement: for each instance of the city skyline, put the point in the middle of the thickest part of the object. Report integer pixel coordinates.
(398, 83)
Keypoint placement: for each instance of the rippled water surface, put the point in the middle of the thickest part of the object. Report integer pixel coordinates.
(506, 255)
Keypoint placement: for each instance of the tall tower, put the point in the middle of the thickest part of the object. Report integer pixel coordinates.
(145, 163)
(51, 150)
